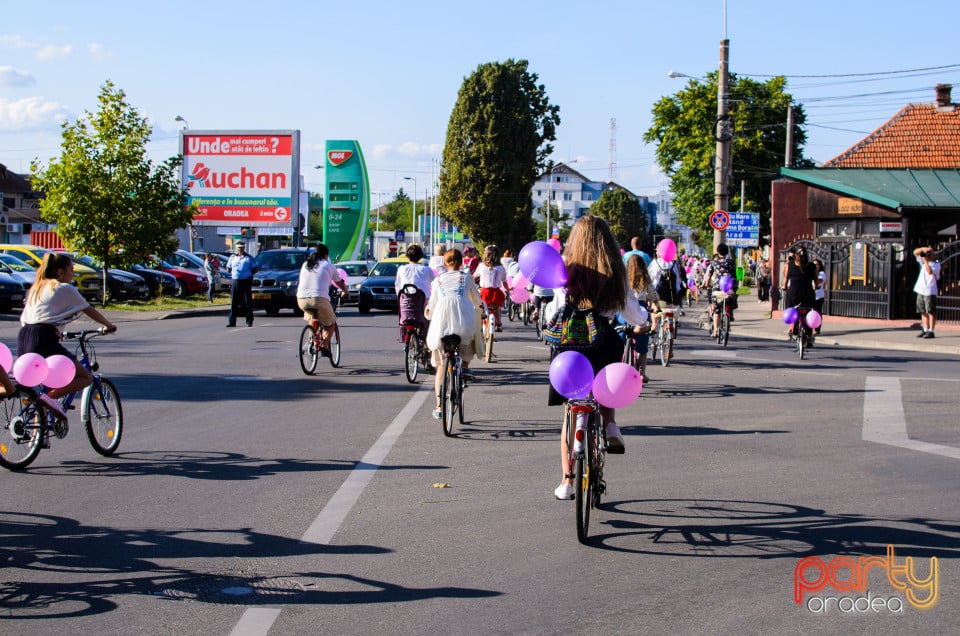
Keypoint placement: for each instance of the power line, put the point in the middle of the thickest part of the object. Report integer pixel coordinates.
(873, 74)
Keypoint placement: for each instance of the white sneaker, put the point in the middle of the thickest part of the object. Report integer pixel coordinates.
(564, 491)
(53, 405)
(614, 439)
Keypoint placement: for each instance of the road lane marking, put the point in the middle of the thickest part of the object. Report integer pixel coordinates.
(323, 528)
(256, 621)
(885, 423)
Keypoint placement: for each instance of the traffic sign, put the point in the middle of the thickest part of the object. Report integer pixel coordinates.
(743, 229)
(399, 235)
(719, 220)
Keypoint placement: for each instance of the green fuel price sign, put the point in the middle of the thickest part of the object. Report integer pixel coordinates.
(346, 202)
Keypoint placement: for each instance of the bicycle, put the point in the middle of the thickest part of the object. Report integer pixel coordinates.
(806, 336)
(313, 347)
(412, 334)
(489, 327)
(723, 323)
(586, 453)
(28, 423)
(662, 344)
(451, 388)
(630, 355)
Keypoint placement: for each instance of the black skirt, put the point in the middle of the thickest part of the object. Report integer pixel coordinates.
(43, 339)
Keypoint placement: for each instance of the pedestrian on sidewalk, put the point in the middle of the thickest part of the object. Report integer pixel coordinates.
(926, 290)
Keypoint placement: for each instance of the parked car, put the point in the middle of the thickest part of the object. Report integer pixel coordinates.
(379, 289)
(356, 271)
(188, 281)
(159, 282)
(121, 284)
(275, 283)
(85, 278)
(13, 264)
(13, 291)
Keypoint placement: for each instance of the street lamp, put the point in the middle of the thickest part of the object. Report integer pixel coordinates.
(413, 228)
(180, 118)
(550, 196)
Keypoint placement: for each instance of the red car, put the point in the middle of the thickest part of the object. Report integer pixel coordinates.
(189, 282)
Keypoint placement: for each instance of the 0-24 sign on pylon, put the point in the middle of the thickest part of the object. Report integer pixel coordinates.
(719, 220)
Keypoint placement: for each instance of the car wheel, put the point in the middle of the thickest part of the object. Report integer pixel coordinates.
(364, 309)
(180, 290)
(272, 311)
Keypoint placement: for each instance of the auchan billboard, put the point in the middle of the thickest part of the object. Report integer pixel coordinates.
(242, 177)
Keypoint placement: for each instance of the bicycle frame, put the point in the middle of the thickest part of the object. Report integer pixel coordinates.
(586, 451)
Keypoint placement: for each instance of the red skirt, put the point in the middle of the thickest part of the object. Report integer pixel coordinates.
(492, 296)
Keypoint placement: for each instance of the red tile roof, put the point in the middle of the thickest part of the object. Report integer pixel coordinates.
(919, 136)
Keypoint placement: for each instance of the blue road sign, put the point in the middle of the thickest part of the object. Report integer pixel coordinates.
(744, 229)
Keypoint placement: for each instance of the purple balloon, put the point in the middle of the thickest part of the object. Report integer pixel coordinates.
(571, 374)
(542, 265)
(617, 385)
(726, 284)
(790, 315)
(814, 319)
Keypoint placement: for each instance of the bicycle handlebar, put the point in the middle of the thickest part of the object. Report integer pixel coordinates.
(86, 334)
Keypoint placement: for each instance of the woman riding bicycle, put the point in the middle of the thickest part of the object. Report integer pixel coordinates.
(313, 291)
(492, 279)
(51, 304)
(801, 277)
(596, 279)
(412, 306)
(642, 289)
(452, 310)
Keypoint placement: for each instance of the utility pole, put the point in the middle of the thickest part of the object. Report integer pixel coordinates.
(724, 136)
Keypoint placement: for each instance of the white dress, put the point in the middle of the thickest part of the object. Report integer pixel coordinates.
(453, 310)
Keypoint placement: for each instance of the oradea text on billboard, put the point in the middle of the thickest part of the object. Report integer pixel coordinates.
(242, 177)
(346, 201)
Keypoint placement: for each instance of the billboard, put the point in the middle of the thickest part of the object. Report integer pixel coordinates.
(346, 200)
(243, 177)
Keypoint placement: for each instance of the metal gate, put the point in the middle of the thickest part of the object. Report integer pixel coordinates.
(883, 285)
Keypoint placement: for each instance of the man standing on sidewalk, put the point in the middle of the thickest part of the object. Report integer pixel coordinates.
(926, 290)
(242, 268)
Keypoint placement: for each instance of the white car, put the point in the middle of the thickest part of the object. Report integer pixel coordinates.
(356, 271)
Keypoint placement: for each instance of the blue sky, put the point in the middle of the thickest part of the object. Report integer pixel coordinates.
(387, 73)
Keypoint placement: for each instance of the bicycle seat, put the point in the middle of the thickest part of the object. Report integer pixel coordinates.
(410, 290)
(450, 342)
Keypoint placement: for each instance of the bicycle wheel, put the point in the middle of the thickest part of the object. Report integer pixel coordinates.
(411, 357)
(801, 341)
(447, 403)
(335, 347)
(488, 340)
(583, 489)
(459, 386)
(599, 445)
(526, 313)
(725, 322)
(629, 355)
(102, 416)
(308, 350)
(24, 424)
(666, 346)
(539, 327)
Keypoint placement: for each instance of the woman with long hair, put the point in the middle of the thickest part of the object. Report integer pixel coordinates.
(641, 286)
(597, 280)
(491, 276)
(51, 304)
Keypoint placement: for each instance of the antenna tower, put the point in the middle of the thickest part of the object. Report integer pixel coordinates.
(612, 166)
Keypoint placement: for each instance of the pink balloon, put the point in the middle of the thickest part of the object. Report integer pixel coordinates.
(617, 385)
(542, 265)
(554, 243)
(61, 370)
(571, 374)
(6, 358)
(343, 274)
(519, 281)
(790, 315)
(814, 319)
(667, 249)
(519, 295)
(30, 369)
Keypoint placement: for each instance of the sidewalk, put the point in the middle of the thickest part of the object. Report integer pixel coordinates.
(754, 319)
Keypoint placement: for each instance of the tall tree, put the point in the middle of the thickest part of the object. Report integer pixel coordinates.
(683, 129)
(624, 215)
(106, 197)
(497, 143)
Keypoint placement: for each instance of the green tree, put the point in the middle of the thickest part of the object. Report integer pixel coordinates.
(683, 130)
(497, 142)
(624, 215)
(106, 198)
(398, 213)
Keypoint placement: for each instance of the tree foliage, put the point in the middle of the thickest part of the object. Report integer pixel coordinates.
(497, 142)
(624, 215)
(106, 197)
(683, 129)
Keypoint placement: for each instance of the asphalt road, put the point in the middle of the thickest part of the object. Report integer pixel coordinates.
(247, 498)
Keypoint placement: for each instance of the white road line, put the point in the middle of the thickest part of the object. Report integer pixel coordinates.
(256, 621)
(323, 528)
(884, 421)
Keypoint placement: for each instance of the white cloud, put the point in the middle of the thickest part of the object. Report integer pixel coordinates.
(31, 113)
(99, 52)
(407, 150)
(16, 78)
(13, 41)
(53, 52)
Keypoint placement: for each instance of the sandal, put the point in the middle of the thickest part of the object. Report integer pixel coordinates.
(437, 413)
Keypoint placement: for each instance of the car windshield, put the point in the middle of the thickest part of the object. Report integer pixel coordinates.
(89, 261)
(15, 263)
(385, 269)
(281, 259)
(354, 269)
